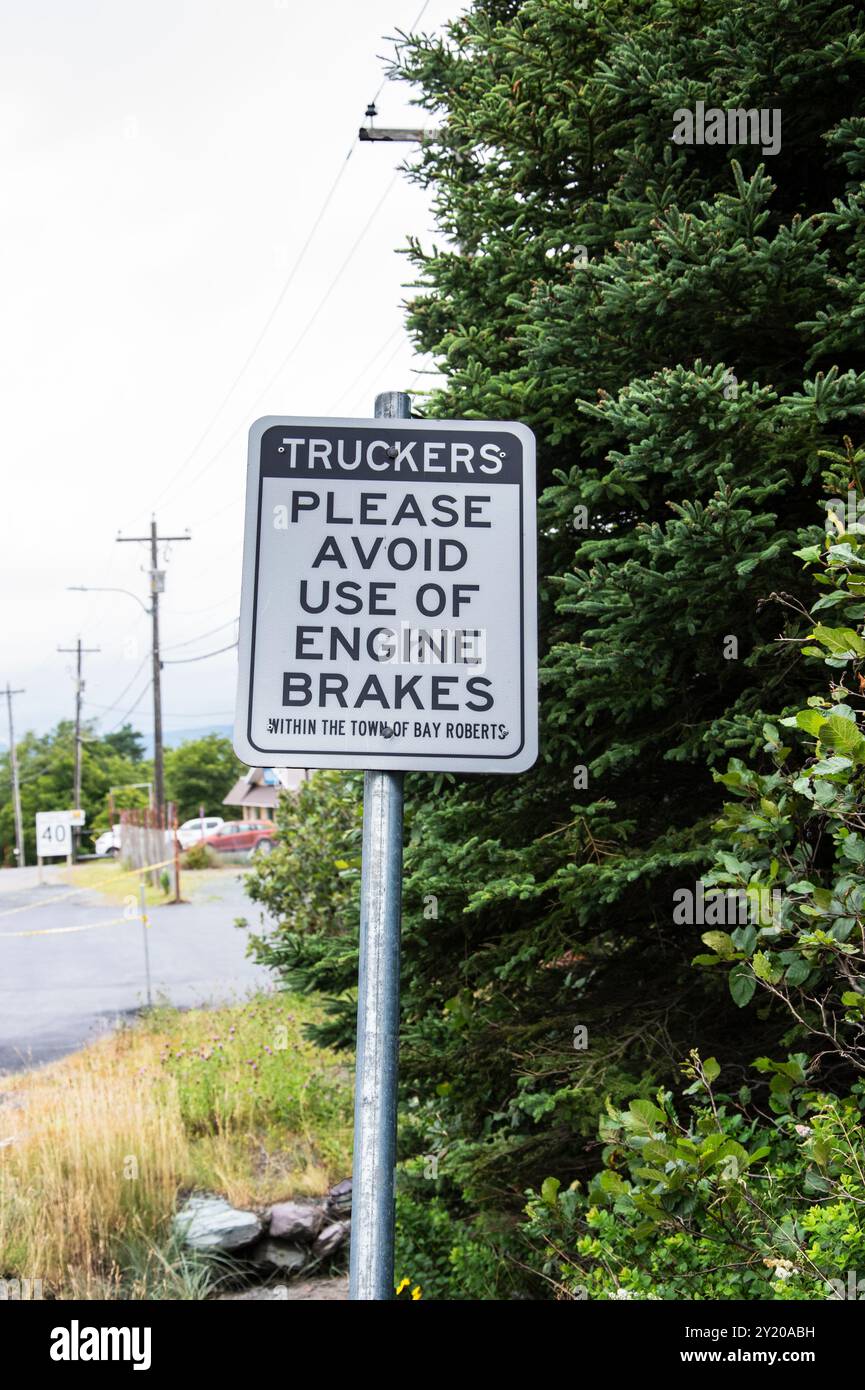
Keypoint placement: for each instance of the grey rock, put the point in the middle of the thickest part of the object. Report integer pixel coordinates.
(330, 1240)
(274, 1254)
(338, 1200)
(296, 1221)
(211, 1223)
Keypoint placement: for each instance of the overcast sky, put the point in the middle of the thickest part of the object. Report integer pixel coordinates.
(162, 166)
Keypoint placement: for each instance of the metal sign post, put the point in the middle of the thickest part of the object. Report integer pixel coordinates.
(145, 924)
(377, 1058)
(388, 623)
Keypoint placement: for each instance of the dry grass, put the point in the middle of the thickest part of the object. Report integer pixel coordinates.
(94, 1162)
(94, 1149)
(115, 883)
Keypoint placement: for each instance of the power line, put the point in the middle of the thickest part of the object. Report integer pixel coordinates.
(268, 321)
(132, 708)
(183, 660)
(201, 636)
(194, 612)
(331, 410)
(280, 298)
(303, 334)
(30, 776)
(367, 366)
(412, 27)
(124, 691)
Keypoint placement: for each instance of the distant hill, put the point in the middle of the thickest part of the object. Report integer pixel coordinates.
(172, 737)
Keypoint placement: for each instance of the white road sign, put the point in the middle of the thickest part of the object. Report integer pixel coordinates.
(388, 612)
(53, 834)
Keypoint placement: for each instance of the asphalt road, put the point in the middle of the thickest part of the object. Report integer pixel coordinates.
(65, 988)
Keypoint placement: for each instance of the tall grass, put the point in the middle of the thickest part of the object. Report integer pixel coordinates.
(93, 1162)
(96, 1148)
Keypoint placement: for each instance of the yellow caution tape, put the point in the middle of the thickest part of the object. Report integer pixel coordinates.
(87, 888)
(61, 931)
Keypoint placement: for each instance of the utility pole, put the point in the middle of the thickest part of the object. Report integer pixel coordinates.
(79, 651)
(16, 790)
(157, 586)
(401, 134)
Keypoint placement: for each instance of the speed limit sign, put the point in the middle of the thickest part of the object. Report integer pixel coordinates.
(53, 834)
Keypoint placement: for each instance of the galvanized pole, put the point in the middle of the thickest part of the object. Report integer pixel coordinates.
(176, 842)
(375, 1100)
(142, 912)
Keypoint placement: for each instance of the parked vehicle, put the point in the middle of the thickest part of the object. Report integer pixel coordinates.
(108, 843)
(245, 837)
(193, 831)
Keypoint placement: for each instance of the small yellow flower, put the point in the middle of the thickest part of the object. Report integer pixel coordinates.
(415, 1293)
(401, 1286)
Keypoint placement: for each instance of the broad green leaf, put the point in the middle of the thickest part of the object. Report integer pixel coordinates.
(809, 720)
(745, 939)
(612, 1184)
(764, 968)
(550, 1190)
(843, 735)
(742, 985)
(719, 941)
(839, 639)
(798, 972)
(646, 1116)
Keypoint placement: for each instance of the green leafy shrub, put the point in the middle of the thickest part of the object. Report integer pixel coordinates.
(451, 1257)
(720, 1203)
(310, 885)
(797, 832)
(426, 1232)
(200, 857)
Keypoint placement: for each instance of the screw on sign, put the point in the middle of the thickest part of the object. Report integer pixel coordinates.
(388, 622)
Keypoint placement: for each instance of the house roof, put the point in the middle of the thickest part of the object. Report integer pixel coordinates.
(261, 786)
(244, 793)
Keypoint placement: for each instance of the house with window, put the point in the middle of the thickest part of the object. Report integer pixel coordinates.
(255, 794)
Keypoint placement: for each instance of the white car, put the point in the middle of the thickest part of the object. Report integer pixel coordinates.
(191, 831)
(108, 843)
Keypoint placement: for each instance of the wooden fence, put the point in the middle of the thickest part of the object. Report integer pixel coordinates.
(148, 835)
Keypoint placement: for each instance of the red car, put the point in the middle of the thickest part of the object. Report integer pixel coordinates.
(246, 837)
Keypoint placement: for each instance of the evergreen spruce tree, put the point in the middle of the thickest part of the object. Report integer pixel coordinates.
(682, 327)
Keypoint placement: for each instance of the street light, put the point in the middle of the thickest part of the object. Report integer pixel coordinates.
(99, 589)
